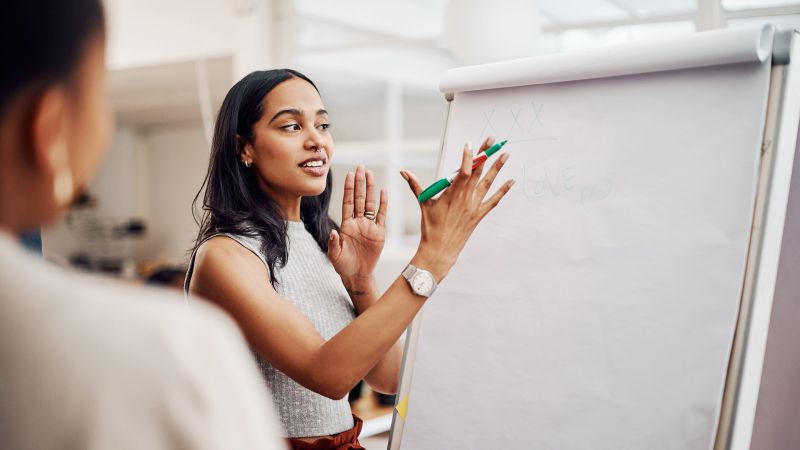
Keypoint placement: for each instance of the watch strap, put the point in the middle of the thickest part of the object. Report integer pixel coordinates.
(409, 271)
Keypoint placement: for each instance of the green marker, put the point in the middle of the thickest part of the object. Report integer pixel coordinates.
(444, 183)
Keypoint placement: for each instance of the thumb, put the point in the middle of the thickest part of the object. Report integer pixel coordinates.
(412, 181)
(334, 246)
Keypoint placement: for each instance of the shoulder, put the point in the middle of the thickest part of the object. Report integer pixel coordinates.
(224, 257)
(141, 358)
(191, 363)
(224, 269)
(208, 380)
(224, 251)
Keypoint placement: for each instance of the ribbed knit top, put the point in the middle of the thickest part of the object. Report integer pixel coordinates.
(310, 283)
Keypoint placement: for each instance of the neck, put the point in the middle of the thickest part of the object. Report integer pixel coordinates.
(12, 205)
(290, 204)
(21, 212)
(291, 208)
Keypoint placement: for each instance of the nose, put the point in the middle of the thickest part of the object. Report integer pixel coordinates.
(314, 140)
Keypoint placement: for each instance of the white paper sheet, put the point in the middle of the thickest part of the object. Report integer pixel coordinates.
(713, 48)
(595, 308)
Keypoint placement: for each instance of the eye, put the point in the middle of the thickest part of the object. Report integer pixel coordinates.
(324, 126)
(291, 127)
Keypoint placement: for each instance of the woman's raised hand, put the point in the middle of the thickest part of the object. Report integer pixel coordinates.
(449, 220)
(355, 249)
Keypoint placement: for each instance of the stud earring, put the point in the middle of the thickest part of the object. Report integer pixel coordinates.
(248, 163)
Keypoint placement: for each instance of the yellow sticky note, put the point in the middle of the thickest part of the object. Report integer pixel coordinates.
(402, 407)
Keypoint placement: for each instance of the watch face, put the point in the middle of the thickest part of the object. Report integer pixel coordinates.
(422, 283)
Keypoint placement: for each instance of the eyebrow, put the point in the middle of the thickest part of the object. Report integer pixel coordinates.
(294, 112)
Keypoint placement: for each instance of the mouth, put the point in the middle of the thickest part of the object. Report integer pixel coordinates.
(317, 161)
(314, 166)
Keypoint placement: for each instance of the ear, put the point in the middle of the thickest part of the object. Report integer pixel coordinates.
(245, 149)
(48, 130)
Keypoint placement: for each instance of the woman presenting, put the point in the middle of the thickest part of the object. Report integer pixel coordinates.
(301, 288)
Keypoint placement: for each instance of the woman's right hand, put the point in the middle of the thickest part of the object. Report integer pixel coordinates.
(449, 220)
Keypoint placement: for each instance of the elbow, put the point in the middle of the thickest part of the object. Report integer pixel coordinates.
(386, 381)
(393, 388)
(389, 388)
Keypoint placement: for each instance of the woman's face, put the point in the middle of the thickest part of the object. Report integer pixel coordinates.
(292, 145)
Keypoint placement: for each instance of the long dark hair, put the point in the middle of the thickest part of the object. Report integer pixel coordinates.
(42, 41)
(233, 201)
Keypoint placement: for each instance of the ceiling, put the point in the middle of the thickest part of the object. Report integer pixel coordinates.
(167, 93)
(378, 38)
(355, 49)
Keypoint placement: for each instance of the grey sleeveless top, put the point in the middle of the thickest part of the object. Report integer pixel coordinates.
(311, 284)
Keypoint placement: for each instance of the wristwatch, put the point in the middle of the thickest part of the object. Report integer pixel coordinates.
(420, 280)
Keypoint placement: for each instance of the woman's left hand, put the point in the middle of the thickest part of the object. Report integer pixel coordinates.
(354, 251)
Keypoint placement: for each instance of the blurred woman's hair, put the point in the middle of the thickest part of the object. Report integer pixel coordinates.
(233, 201)
(41, 43)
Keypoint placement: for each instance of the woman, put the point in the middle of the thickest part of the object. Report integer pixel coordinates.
(86, 363)
(301, 288)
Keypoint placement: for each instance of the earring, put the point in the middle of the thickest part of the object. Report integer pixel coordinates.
(62, 180)
(248, 163)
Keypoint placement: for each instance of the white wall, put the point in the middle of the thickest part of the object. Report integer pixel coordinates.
(119, 178)
(256, 33)
(177, 162)
(143, 32)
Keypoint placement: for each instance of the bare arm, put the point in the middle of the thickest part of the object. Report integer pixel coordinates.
(235, 279)
(385, 376)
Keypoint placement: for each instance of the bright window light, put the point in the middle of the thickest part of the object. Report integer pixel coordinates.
(784, 22)
(572, 40)
(752, 4)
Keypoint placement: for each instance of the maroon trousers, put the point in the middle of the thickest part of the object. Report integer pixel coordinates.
(346, 440)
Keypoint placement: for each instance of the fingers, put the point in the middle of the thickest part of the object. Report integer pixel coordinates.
(347, 200)
(478, 171)
(380, 219)
(412, 181)
(369, 204)
(488, 142)
(494, 200)
(476, 175)
(334, 246)
(465, 170)
(360, 197)
(486, 182)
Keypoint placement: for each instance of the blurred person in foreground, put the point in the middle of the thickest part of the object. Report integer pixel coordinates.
(87, 363)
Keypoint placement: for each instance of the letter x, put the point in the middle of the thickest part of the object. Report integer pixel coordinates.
(488, 118)
(536, 112)
(515, 116)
